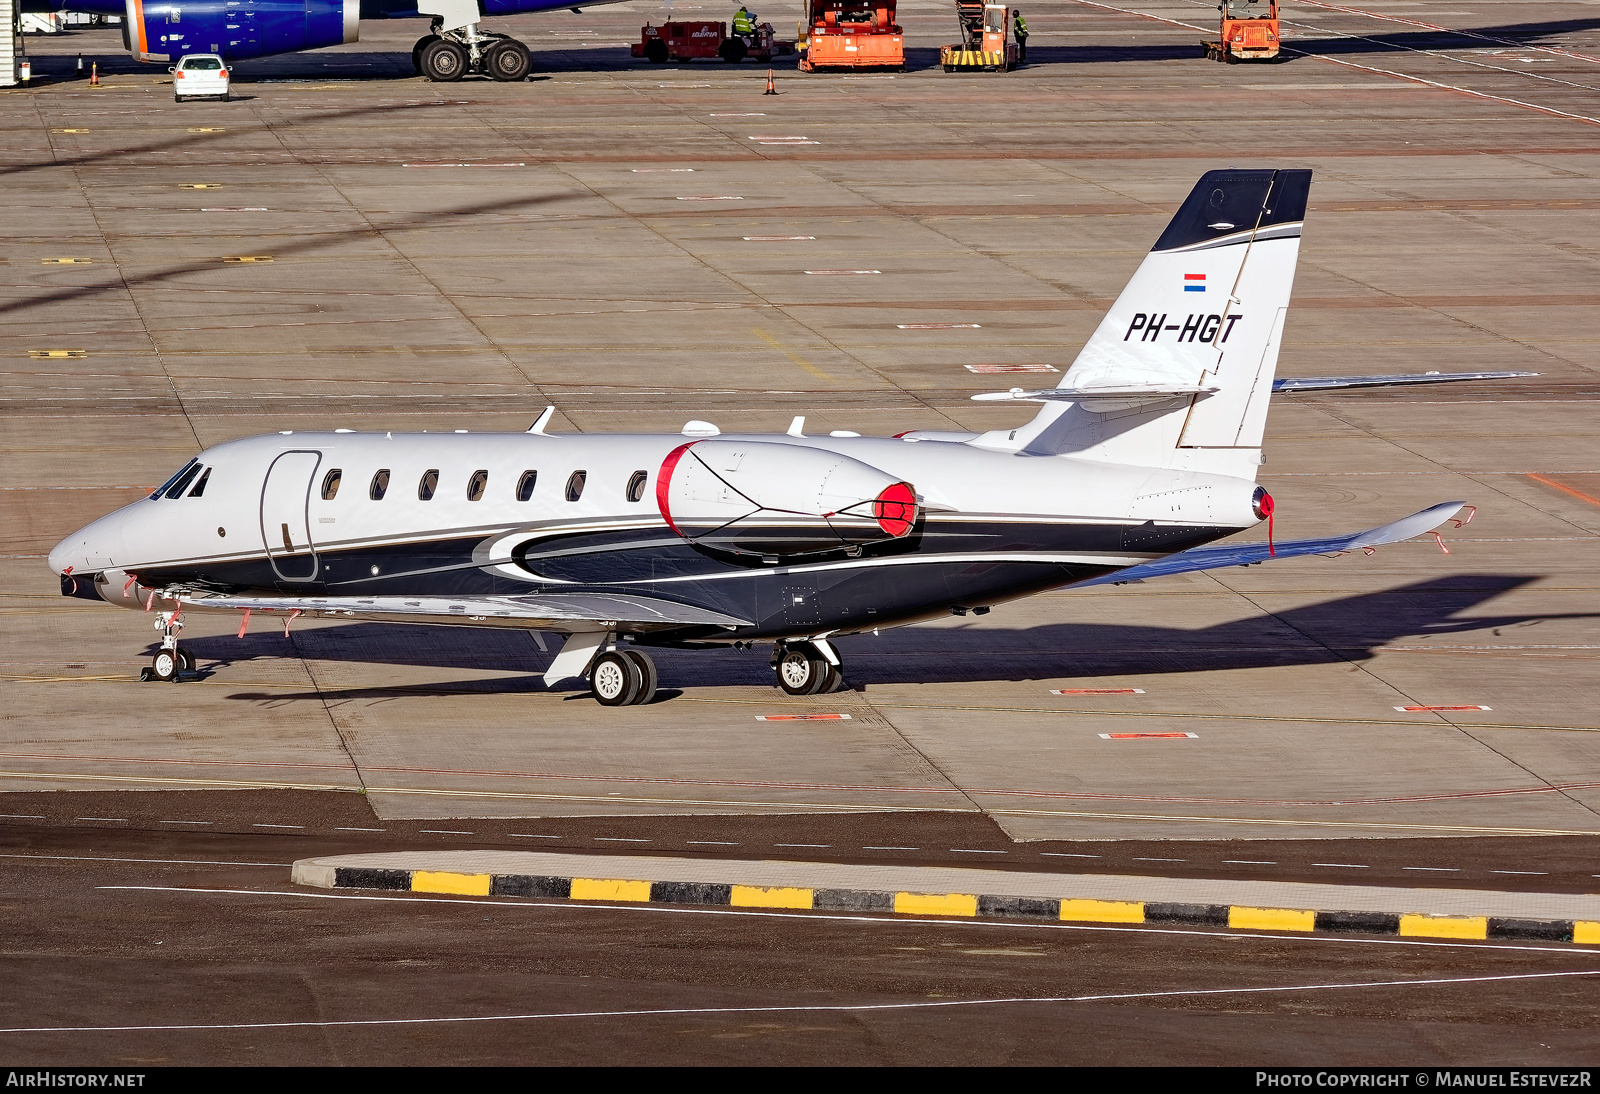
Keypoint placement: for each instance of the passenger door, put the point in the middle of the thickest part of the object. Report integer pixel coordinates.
(285, 521)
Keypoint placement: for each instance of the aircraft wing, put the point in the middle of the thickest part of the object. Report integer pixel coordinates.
(542, 611)
(1245, 554)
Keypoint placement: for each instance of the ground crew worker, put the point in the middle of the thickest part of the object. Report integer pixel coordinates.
(744, 24)
(1021, 32)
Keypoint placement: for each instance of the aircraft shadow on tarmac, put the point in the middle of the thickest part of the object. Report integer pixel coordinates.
(1330, 632)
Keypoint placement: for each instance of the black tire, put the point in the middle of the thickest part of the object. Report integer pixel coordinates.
(165, 665)
(647, 674)
(800, 670)
(443, 62)
(832, 680)
(949, 68)
(733, 50)
(185, 659)
(508, 61)
(416, 51)
(655, 51)
(615, 679)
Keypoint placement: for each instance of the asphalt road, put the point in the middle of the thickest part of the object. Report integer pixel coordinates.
(195, 949)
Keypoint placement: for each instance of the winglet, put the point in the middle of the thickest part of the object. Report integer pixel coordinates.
(544, 420)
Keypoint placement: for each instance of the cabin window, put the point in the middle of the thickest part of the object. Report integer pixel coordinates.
(182, 482)
(575, 485)
(380, 485)
(526, 484)
(477, 484)
(429, 483)
(164, 487)
(330, 484)
(636, 485)
(200, 487)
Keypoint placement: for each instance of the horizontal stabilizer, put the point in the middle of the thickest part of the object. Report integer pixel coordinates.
(1322, 383)
(1244, 554)
(1139, 393)
(547, 611)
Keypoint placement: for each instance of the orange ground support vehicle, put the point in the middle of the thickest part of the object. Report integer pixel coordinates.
(696, 39)
(853, 34)
(986, 43)
(1249, 32)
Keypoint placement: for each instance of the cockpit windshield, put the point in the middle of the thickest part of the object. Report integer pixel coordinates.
(189, 469)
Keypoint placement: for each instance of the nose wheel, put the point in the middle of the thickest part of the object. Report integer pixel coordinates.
(622, 678)
(802, 669)
(171, 659)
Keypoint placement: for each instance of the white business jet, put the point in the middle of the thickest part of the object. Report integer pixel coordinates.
(1146, 451)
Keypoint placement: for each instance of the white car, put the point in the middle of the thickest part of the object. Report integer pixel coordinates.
(198, 76)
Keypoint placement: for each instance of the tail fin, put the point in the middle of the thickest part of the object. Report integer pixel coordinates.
(1183, 362)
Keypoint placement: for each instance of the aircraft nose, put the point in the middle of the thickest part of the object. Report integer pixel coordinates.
(87, 549)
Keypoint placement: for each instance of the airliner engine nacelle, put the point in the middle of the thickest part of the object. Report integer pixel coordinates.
(769, 499)
(164, 30)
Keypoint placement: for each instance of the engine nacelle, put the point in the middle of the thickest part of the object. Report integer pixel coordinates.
(164, 30)
(771, 499)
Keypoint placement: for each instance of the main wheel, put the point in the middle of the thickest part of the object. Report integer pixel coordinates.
(508, 61)
(800, 670)
(655, 51)
(165, 665)
(443, 62)
(416, 51)
(616, 679)
(647, 675)
(733, 50)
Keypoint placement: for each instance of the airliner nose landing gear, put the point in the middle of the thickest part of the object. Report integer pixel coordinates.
(803, 668)
(622, 678)
(171, 658)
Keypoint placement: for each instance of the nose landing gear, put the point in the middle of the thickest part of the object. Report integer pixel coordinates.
(171, 659)
(803, 668)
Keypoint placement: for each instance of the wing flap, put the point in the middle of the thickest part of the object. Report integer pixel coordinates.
(550, 611)
(1245, 554)
(1291, 384)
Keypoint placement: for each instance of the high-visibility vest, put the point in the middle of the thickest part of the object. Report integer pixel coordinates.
(1022, 27)
(743, 23)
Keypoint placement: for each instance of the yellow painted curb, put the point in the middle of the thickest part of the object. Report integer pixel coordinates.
(753, 896)
(935, 904)
(1586, 933)
(1271, 919)
(439, 881)
(1103, 911)
(1445, 926)
(590, 888)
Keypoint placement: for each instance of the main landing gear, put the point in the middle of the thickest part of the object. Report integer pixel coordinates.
(804, 668)
(622, 678)
(447, 56)
(171, 659)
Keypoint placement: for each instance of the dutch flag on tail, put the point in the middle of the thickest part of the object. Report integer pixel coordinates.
(1194, 282)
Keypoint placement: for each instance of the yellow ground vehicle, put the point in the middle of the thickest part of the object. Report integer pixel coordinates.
(1249, 32)
(986, 42)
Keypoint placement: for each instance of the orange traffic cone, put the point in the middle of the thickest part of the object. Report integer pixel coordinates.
(94, 74)
(772, 88)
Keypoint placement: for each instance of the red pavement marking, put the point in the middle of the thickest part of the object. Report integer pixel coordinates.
(802, 717)
(1469, 706)
(1565, 489)
(1142, 736)
(1097, 691)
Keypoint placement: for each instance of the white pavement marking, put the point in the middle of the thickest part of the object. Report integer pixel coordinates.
(882, 920)
(170, 861)
(815, 1008)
